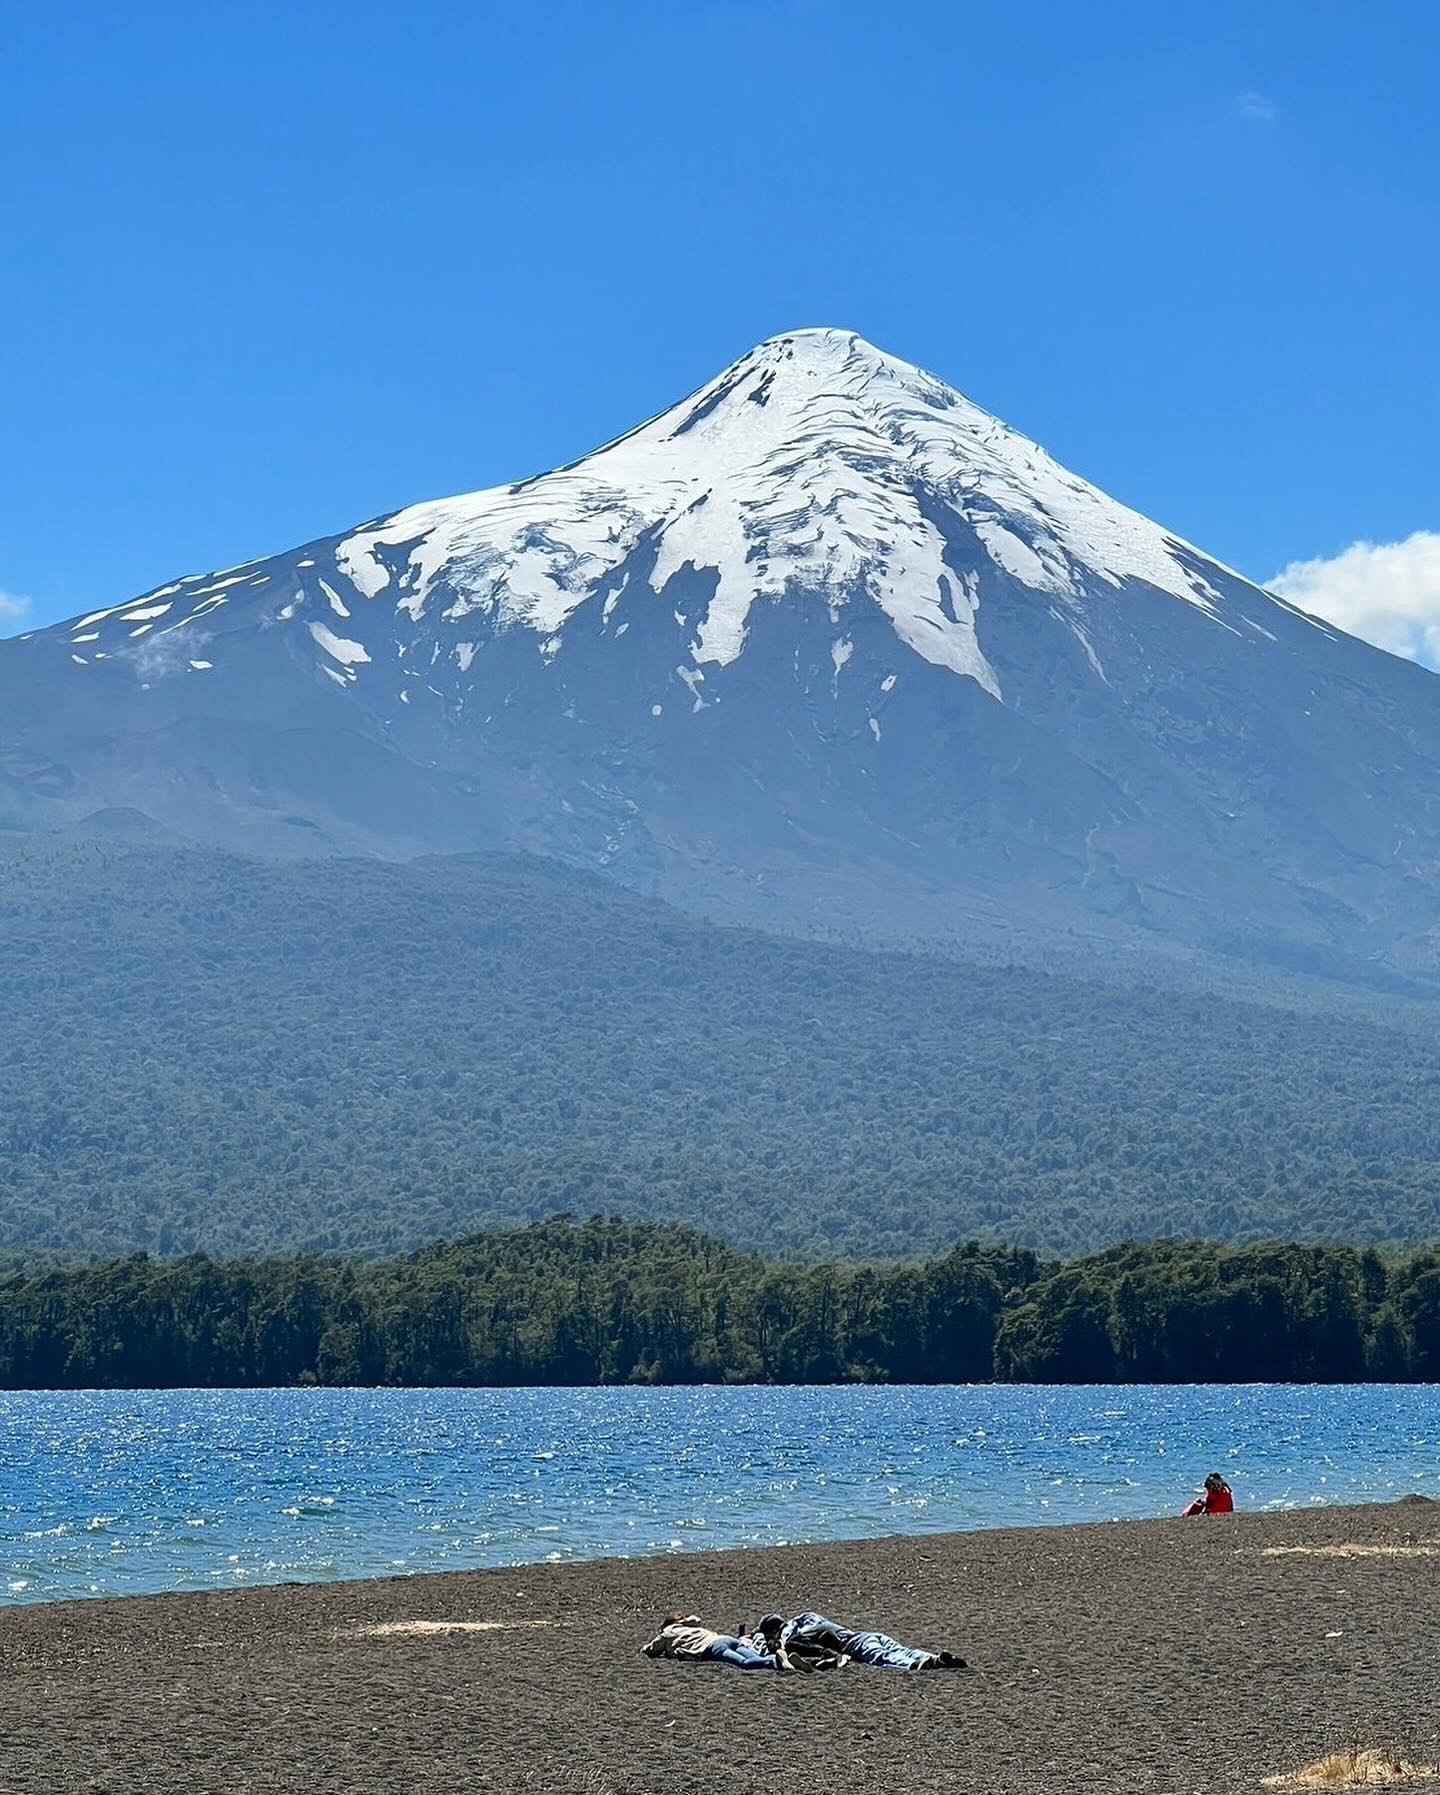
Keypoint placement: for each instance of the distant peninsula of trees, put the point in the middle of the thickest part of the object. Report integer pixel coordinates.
(609, 1302)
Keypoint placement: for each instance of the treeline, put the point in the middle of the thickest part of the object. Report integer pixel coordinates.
(608, 1302)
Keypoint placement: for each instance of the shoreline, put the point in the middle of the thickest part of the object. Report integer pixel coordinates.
(1158, 1656)
(259, 1586)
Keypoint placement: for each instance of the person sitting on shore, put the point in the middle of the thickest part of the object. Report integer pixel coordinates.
(811, 1632)
(1215, 1499)
(685, 1637)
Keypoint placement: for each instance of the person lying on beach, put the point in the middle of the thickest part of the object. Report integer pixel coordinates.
(684, 1636)
(812, 1633)
(1215, 1499)
(801, 1654)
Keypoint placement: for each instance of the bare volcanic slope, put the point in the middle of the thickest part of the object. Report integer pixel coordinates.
(825, 640)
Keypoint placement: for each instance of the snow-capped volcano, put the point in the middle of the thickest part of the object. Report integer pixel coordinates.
(806, 467)
(824, 637)
(812, 466)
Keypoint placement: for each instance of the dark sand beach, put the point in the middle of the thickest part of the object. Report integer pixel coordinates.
(1160, 1656)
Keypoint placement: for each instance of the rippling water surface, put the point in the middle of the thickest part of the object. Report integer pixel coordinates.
(105, 1493)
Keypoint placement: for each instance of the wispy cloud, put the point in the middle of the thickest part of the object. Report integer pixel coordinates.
(1386, 592)
(1255, 106)
(157, 657)
(13, 607)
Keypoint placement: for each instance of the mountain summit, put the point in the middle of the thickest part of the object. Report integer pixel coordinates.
(805, 467)
(824, 640)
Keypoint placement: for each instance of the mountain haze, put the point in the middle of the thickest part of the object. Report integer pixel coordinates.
(204, 1050)
(825, 641)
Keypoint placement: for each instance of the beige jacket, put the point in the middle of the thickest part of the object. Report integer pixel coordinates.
(682, 1639)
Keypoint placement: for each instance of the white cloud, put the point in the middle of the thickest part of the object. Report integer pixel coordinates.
(1387, 593)
(1255, 106)
(13, 607)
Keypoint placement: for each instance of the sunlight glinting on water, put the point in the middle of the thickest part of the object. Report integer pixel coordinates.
(108, 1493)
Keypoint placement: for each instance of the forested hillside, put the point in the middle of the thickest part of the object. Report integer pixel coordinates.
(200, 1051)
(609, 1302)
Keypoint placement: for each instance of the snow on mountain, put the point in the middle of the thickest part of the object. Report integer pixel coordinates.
(798, 469)
(824, 637)
(801, 468)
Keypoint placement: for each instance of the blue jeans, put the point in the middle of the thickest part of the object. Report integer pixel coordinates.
(877, 1649)
(742, 1656)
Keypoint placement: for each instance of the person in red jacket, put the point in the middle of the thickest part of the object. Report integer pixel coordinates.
(1215, 1499)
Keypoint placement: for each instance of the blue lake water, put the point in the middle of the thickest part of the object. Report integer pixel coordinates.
(111, 1493)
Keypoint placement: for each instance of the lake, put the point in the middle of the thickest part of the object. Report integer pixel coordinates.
(114, 1493)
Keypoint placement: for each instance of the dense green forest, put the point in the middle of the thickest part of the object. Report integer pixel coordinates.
(199, 1051)
(614, 1302)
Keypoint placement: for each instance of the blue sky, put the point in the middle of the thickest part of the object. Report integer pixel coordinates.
(272, 270)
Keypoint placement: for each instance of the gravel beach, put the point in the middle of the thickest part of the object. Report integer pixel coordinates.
(1163, 1656)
